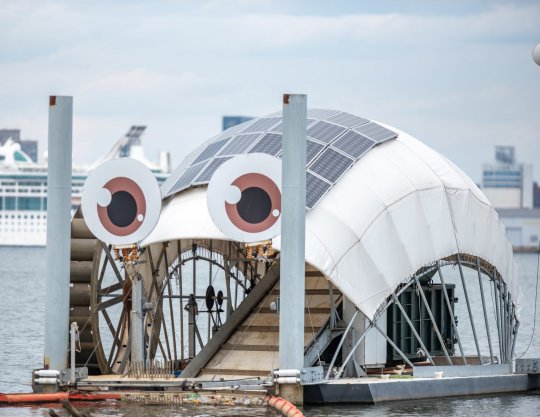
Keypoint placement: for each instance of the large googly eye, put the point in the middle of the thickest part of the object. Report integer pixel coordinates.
(121, 201)
(244, 197)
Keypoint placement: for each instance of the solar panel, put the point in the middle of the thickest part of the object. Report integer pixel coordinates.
(325, 132)
(346, 119)
(235, 129)
(331, 165)
(187, 178)
(315, 189)
(239, 144)
(210, 151)
(270, 143)
(262, 125)
(320, 113)
(335, 141)
(279, 126)
(206, 175)
(376, 132)
(353, 144)
(312, 150)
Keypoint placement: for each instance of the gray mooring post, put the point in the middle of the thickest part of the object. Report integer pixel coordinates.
(293, 233)
(58, 233)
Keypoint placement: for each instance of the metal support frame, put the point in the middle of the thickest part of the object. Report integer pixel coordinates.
(381, 310)
(502, 319)
(73, 334)
(194, 278)
(411, 325)
(181, 303)
(510, 325)
(209, 316)
(484, 308)
(514, 341)
(506, 320)
(433, 321)
(228, 287)
(451, 310)
(341, 344)
(469, 309)
(191, 305)
(497, 319)
(349, 356)
(137, 320)
(398, 350)
(171, 315)
(196, 251)
(332, 306)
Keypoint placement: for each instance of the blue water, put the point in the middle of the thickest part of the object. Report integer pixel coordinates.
(22, 279)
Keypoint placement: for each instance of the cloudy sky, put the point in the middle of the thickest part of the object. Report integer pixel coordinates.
(457, 75)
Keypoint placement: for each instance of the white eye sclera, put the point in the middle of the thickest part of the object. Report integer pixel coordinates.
(121, 201)
(244, 197)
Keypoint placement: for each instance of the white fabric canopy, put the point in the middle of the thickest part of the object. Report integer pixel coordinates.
(400, 207)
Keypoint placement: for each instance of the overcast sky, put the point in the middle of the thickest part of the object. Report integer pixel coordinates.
(457, 75)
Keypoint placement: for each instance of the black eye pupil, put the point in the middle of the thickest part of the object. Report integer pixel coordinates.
(254, 205)
(123, 209)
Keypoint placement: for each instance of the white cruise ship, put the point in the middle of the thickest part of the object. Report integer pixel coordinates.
(23, 187)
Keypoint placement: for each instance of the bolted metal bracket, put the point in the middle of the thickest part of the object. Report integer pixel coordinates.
(311, 375)
(528, 366)
(65, 375)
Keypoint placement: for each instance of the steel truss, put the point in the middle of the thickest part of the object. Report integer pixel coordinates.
(502, 316)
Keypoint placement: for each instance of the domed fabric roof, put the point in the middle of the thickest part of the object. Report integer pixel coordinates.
(398, 207)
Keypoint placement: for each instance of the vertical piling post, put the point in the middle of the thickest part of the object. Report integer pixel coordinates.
(293, 231)
(58, 232)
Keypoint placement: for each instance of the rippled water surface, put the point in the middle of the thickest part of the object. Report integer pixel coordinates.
(22, 279)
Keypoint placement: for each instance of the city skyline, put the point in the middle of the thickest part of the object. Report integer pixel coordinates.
(459, 76)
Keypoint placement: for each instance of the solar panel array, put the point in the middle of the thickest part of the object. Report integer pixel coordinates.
(335, 141)
(270, 143)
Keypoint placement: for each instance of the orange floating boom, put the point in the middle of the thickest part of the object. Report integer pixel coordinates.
(283, 406)
(55, 397)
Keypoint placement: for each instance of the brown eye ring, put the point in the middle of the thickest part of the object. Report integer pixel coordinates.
(122, 216)
(260, 205)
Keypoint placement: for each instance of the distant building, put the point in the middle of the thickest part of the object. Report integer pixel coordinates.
(14, 134)
(230, 121)
(29, 147)
(536, 195)
(522, 227)
(506, 183)
(509, 187)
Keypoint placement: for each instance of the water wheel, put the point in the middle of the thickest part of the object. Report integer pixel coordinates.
(100, 301)
(100, 297)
